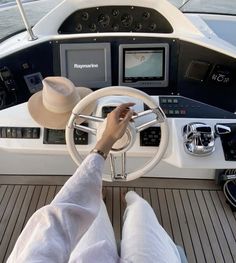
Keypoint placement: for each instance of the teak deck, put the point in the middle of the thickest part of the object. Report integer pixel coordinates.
(193, 212)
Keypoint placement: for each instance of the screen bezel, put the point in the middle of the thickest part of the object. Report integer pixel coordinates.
(142, 82)
(64, 48)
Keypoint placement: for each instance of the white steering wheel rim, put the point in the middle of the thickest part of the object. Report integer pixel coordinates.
(118, 91)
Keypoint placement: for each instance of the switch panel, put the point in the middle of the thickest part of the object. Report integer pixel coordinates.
(150, 136)
(20, 132)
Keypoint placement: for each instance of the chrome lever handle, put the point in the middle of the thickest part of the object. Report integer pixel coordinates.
(222, 129)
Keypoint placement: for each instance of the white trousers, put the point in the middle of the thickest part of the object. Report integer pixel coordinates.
(143, 238)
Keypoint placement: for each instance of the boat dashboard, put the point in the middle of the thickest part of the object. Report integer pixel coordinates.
(123, 45)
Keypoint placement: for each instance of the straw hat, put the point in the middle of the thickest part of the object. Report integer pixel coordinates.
(52, 106)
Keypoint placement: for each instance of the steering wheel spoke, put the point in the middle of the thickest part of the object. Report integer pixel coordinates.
(118, 176)
(159, 118)
(90, 118)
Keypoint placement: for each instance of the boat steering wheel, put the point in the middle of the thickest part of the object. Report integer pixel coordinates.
(128, 139)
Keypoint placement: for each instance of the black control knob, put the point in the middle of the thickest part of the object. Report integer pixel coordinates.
(146, 15)
(115, 12)
(104, 20)
(115, 27)
(85, 16)
(127, 20)
(93, 27)
(79, 28)
(138, 27)
(153, 27)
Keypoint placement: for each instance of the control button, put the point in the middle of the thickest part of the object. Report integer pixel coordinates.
(138, 27)
(36, 133)
(127, 20)
(152, 27)
(4, 132)
(8, 131)
(85, 16)
(169, 100)
(146, 15)
(171, 112)
(175, 101)
(182, 112)
(150, 136)
(79, 28)
(13, 132)
(18, 132)
(164, 100)
(93, 27)
(27, 133)
(115, 12)
(177, 112)
(115, 27)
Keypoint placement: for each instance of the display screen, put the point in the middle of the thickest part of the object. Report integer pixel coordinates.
(86, 64)
(144, 65)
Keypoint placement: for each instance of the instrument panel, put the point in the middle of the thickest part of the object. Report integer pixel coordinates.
(115, 19)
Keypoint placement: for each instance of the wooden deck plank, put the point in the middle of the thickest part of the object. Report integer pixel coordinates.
(12, 222)
(138, 190)
(206, 245)
(218, 228)
(3, 189)
(192, 227)
(209, 228)
(109, 201)
(184, 227)
(51, 194)
(224, 224)
(116, 213)
(155, 204)
(43, 197)
(228, 213)
(9, 209)
(164, 212)
(5, 200)
(177, 237)
(20, 220)
(33, 204)
(123, 191)
(146, 195)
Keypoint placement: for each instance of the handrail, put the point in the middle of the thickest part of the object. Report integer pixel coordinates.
(24, 18)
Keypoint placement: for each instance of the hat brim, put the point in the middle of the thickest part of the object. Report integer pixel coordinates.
(53, 120)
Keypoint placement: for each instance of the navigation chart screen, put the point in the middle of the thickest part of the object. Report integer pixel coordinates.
(144, 64)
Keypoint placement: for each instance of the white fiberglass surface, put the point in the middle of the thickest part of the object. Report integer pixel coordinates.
(227, 7)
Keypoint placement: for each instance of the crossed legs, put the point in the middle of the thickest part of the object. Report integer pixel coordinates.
(143, 238)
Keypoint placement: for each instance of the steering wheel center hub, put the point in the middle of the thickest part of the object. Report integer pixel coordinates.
(125, 142)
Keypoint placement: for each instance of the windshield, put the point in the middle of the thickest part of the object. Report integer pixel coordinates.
(10, 19)
(227, 7)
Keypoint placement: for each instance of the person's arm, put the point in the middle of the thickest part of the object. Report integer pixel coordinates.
(53, 231)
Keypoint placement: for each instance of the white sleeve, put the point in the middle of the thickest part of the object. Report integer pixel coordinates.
(54, 230)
